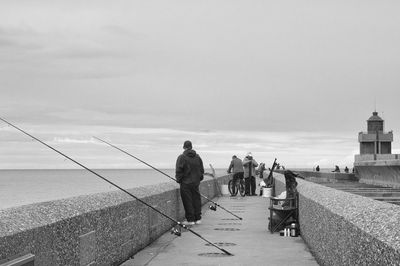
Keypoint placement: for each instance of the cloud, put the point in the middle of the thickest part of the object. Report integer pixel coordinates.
(19, 38)
(123, 32)
(6, 127)
(78, 141)
(7, 42)
(160, 146)
(85, 52)
(89, 74)
(135, 74)
(15, 31)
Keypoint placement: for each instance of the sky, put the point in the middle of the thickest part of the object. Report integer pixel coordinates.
(292, 80)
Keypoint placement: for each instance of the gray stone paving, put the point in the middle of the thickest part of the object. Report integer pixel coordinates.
(250, 244)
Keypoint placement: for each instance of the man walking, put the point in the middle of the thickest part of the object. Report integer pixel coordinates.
(189, 172)
(249, 174)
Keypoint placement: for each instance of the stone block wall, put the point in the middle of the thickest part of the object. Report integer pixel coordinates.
(98, 229)
(341, 228)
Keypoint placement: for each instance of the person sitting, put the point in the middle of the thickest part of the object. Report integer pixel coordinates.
(291, 184)
(346, 170)
(290, 193)
(337, 170)
(317, 168)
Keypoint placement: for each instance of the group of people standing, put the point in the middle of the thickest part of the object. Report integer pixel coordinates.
(189, 172)
(245, 169)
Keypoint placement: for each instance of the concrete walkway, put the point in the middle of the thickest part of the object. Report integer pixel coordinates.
(248, 240)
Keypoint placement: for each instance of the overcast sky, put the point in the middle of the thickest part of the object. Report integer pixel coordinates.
(295, 80)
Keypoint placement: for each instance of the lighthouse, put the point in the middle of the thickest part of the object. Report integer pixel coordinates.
(375, 140)
(376, 164)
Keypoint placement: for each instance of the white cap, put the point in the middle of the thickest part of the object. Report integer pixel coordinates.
(249, 154)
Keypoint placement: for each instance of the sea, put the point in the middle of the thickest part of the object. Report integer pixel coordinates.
(22, 187)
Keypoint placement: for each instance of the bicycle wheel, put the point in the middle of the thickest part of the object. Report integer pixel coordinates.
(232, 188)
(242, 190)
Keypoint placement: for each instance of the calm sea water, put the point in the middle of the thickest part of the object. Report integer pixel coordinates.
(21, 187)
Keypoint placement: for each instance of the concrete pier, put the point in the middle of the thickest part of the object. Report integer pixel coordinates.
(248, 239)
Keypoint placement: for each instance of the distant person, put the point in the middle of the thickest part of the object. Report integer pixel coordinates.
(250, 165)
(189, 172)
(346, 170)
(317, 168)
(236, 167)
(337, 170)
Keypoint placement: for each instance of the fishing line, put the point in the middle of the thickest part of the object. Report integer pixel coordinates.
(215, 180)
(115, 185)
(127, 153)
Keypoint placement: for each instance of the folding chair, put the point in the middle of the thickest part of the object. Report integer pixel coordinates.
(283, 211)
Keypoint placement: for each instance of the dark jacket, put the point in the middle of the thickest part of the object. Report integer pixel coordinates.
(189, 168)
(291, 183)
(236, 165)
(246, 165)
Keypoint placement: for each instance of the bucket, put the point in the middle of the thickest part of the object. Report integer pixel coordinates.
(266, 192)
(225, 190)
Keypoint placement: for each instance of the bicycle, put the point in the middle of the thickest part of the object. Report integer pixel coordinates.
(238, 187)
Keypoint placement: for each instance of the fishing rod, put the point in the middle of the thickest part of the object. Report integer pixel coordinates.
(175, 231)
(271, 170)
(214, 208)
(269, 179)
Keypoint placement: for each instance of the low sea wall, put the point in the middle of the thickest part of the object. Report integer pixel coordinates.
(379, 172)
(341, 228)
(98, 229)
(325, 175)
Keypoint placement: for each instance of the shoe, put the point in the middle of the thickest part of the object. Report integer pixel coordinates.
(187, 223)
(198, 222)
